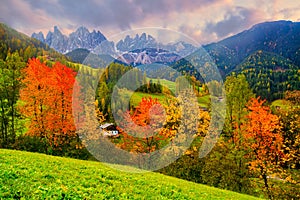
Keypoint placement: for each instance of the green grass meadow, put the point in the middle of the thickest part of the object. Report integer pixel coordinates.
(136, 98)
(282, 104)
(166, 83)
(25, 175)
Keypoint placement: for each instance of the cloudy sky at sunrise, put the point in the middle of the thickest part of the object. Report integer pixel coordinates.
(203, 20)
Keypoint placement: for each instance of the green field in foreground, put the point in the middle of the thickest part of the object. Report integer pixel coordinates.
(37, 176)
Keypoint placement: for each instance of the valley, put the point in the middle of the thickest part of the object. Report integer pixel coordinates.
(57, 90)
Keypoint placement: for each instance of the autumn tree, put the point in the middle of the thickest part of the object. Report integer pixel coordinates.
(262, 132)
(61, 82)
(293, 96)
(171, 127)
(290, 119)
(34, 97)
(141, 129)
(189, 166)
(47, 103)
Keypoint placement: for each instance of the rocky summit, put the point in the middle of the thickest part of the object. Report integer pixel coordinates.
(81, 38)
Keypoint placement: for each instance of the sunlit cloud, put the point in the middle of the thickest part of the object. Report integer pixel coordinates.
(203, 20)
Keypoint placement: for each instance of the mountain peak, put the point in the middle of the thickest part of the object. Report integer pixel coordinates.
(82, 29)
(56, 30)
(81, 38)
(274, 23)
(137, 42)
(39, 36)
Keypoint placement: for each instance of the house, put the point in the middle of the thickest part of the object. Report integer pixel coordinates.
(203, 108)
(109, 129)
(220, 99)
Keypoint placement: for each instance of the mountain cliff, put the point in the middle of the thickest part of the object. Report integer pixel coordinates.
(81, 38)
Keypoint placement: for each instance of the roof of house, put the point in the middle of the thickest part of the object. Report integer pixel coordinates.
(106, 125)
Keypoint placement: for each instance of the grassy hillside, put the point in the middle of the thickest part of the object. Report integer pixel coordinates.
(204, 101)
(137, 97)
(12, 41)
(38, 176)
(281, 103)
(166, 83)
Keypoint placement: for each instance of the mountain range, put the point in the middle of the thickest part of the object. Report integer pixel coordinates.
(141, 49)
(281, 38)
(267, 54)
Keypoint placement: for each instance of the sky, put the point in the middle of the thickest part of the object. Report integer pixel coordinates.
(204, 21)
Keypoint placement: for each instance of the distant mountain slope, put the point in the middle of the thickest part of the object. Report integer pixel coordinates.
(279, 37)
(78, 55)
(262, 59)
(89, 58)
(269, 74)
(12, 40)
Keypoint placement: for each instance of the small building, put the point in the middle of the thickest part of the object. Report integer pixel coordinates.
(203, 108)
(109, 129)
(220, 99)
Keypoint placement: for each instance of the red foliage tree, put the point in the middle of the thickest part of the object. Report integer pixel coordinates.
(47, 102)
(35, 96)
(142, 130)
(262, 132)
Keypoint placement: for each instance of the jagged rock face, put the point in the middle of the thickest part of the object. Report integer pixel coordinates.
(81, 38)
(39, 36)
(57, 40)
(141, 49)
(138, 42)
(148, 56)
(144, 49)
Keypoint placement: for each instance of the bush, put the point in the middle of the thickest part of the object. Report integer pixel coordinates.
(73, 149)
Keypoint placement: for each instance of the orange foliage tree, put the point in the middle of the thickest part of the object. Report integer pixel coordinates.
(262, 132)
(47, 102)
(141, 130)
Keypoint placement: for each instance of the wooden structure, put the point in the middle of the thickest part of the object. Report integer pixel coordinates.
(109, 129)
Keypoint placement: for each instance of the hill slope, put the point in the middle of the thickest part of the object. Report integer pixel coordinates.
(32, 176)
(12, 41)
(278, 37)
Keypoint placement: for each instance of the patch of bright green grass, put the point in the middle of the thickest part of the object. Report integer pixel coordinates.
(281, 103)
(136, 98)
(204, 101)
(25, 175)
(166, 83)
